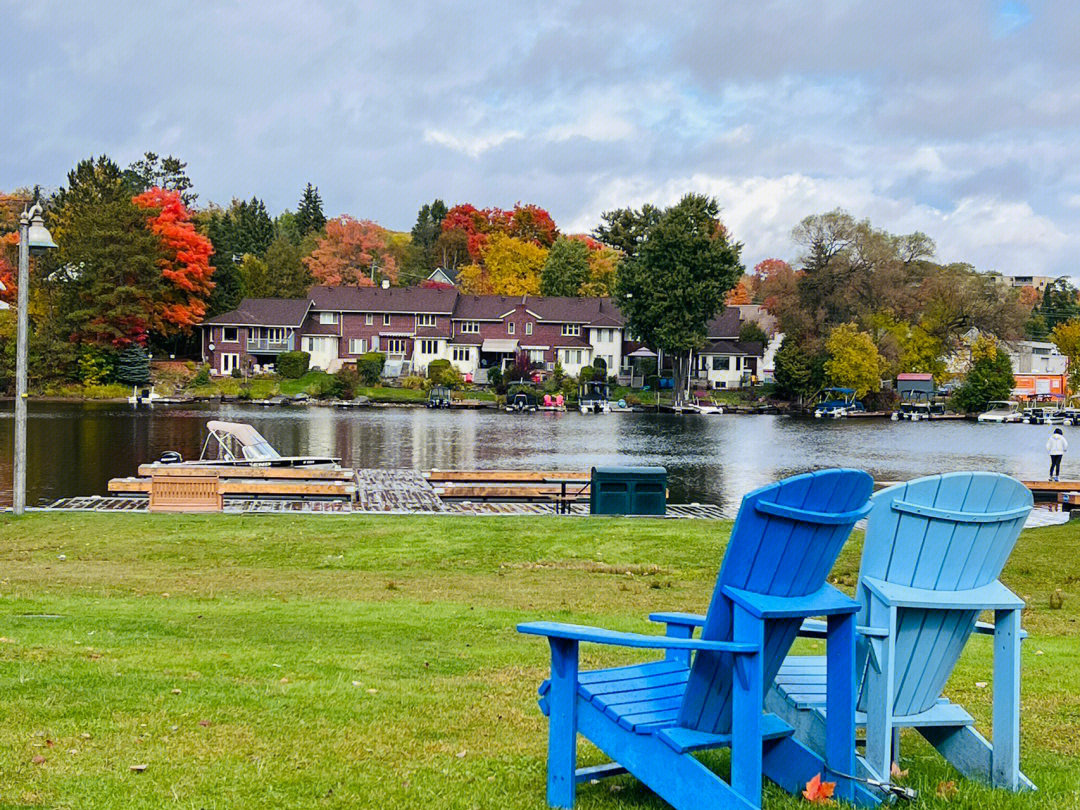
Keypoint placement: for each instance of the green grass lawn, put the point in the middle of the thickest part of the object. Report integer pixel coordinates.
(356, 662)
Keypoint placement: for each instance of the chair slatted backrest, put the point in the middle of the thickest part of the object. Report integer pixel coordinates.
(947, 532)
(784, 542)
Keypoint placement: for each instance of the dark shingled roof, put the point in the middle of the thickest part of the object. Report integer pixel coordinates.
(484, 307)
(724, 325)
(752, 348)
(264, 312)
(375, 299)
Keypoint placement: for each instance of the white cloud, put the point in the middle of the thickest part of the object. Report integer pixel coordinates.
(471, 145)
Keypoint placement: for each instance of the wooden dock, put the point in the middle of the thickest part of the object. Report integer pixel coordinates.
(1051, 490)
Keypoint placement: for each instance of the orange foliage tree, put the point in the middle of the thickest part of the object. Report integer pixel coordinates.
(344, 255)
(527, 223)
(737, 295)
(185, 262)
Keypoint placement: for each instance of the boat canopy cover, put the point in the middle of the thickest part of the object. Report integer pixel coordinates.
(499, 346)
(252, 443)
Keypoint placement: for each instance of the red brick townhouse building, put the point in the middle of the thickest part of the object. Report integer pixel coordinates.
(414, 325)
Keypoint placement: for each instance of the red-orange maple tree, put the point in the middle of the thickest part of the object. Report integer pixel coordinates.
(8, 273)
(737, 295)
(529, 223)
(344, 255)
(185, 262)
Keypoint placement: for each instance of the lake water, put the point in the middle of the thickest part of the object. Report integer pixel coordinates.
(76, 448)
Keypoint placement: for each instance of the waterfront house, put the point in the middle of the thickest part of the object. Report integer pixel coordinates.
(413, 326)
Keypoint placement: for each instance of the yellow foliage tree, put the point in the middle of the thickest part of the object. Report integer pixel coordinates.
(853, 361)
(1066, 336)
(508, 266)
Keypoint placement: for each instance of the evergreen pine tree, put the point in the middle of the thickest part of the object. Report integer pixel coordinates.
(309, 214)
(133, 366)
(243, 228)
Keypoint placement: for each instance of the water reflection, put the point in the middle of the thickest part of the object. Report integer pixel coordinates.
(76, 448)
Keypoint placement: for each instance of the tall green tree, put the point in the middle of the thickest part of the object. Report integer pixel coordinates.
(288, 276)
(1059, 303)
(243, 228)
(309, 215)
(423, 255)
(676, 282)
(626, 229)
(169, 173)
(106, 277)
(566, 269)
(795, 372)
(989, 378)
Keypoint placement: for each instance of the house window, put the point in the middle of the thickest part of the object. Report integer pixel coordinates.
(429, 347)
(369, 319)
(357, 345)
(536, 355)
(528, 328)
(470, 327)
(510, 327)
(425, 320)
(572, 357)
(571, 329)
(229, 361)
(328, 318)
(721, 363)
(461, 354)
(229, 334)
(395, 345)
(386, 319)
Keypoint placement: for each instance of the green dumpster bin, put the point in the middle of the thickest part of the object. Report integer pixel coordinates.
(628, 491)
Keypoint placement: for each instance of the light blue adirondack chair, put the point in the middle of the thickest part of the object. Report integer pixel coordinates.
(708, 692)
(934, 550)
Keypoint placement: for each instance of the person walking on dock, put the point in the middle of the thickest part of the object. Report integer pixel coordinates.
(1056, 447)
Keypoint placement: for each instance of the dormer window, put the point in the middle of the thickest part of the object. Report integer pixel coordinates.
(571, 329)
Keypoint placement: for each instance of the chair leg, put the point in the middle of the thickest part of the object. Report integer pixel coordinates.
(747, 694)
(880, 691)
(896, 746)
(840, 702)
(562, 723)
(1005, 759)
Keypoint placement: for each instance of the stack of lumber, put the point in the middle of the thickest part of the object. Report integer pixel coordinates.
(509, 485)
(173, 483)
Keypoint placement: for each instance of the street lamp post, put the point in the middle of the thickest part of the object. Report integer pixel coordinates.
(33, 237)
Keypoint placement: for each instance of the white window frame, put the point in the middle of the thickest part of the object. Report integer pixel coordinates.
(426, 320)
(510, 327)
(461, 354)
(536, 355)
(225, 334)
(470, 328)
(528, 328)
(328, 318)
(357, 345)
(369, 319)
(428, 346)
(571, 329)
(396, 346)
(386, 319)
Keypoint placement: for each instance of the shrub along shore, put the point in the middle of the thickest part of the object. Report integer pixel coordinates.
(372, 661)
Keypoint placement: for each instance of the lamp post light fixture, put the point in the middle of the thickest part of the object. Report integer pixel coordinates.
(33, 238)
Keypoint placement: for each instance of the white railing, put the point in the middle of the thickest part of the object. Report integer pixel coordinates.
(264, 345)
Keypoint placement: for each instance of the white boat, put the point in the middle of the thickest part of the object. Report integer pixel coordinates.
(238, 444)
(1001, 411)
(837, 403)
(593, 397)
(143, 395)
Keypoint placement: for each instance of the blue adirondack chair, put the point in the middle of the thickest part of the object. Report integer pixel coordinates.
(934, 550)
(708, 692)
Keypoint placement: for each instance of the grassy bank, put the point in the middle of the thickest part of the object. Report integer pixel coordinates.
(332, 662)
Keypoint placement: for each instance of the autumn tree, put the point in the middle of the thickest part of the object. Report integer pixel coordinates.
(737, 294)
(566, 270)
(309, 214)
(508, 266)
(184, 261)
(677, 279)
(531, 223)
(853, 360)
(1066, 336)
(527, 223)
(351, 253)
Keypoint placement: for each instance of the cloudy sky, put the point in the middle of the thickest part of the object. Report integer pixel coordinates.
(961, 119)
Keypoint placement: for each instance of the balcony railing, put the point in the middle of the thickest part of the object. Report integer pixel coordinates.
(268, 346)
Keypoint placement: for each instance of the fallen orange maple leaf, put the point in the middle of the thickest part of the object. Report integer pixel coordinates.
(818, 792)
